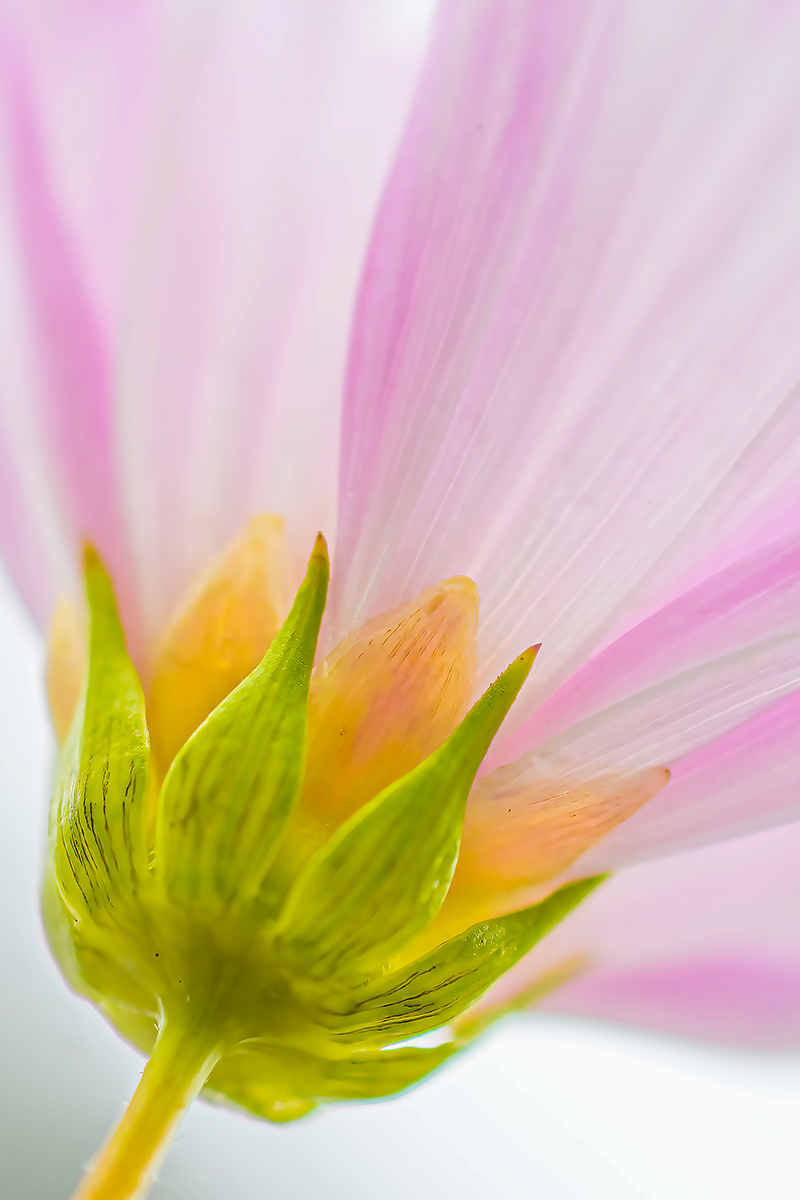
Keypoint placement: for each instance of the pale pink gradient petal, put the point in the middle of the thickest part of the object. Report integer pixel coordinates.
(741, 624)
(757, 504)
(738, 1000)
(206, 176)
(707, 686)
(705, 944)
(75, 415)
(746, 780)
(56, 348)
(30, 539)
(273, 128)
(22, 547)
(575, 334)
(89, 66)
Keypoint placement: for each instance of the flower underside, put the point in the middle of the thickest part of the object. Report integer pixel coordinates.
(267, 868)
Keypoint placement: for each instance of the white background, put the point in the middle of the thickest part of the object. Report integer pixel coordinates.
(544, 1108)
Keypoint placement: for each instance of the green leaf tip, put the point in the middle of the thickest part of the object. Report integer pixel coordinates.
(474, 735)
(98, 812)
(231, 788)
(164, 900)
(432, 990)
(385, 873)
(320, 551)
(105, 626)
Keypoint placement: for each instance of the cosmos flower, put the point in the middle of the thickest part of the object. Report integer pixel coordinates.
(508, 315)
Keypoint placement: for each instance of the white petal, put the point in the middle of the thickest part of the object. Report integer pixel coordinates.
(274, 126)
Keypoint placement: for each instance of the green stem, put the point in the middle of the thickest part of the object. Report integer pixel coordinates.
(179, 1066)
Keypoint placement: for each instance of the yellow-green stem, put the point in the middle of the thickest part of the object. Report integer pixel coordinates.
(179, 1066)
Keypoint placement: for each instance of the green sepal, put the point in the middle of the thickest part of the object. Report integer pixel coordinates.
(139, 1028)
(98, 823)
(232, 786)
(99, 954)
(472, 1024)
(280, 1084)
(384, 874)
(301, 1007)
(431, 991)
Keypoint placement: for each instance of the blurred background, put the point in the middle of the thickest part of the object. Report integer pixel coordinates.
(545, 1107)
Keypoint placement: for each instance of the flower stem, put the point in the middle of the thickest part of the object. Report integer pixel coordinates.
(125, 1167)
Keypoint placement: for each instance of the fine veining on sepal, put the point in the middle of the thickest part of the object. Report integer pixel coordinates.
(218, 634)
(280, 1084)
(232, 786)
(98, 819)
(280, 969)
(432, 990)
(178, 929)
(385, 873)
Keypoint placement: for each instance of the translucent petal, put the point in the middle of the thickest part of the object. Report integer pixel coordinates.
(703, 944)
(749, 604)
(521, 833)
(574, 333)
(271, 130)
(746, 780)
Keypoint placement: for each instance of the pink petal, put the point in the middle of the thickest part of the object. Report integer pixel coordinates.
(707, 686)
(75, 401)
(666, 686)
(750, 1001)
(575, 328)
(32, 535)
(746, 780)
(273, 127)
(706, 943)
(55, 337)
(23, 545)
(196, 185)
(89, 64)
(757, 504)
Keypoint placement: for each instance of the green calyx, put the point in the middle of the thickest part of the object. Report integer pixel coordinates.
(176, 907)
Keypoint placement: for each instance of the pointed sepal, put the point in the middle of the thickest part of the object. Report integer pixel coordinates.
(281, 1084)
(438, 987)
(99, 809)
(384, 874)
(232, 786)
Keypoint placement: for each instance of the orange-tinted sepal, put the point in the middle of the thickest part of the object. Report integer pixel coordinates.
(388, 696)
(219, 635)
